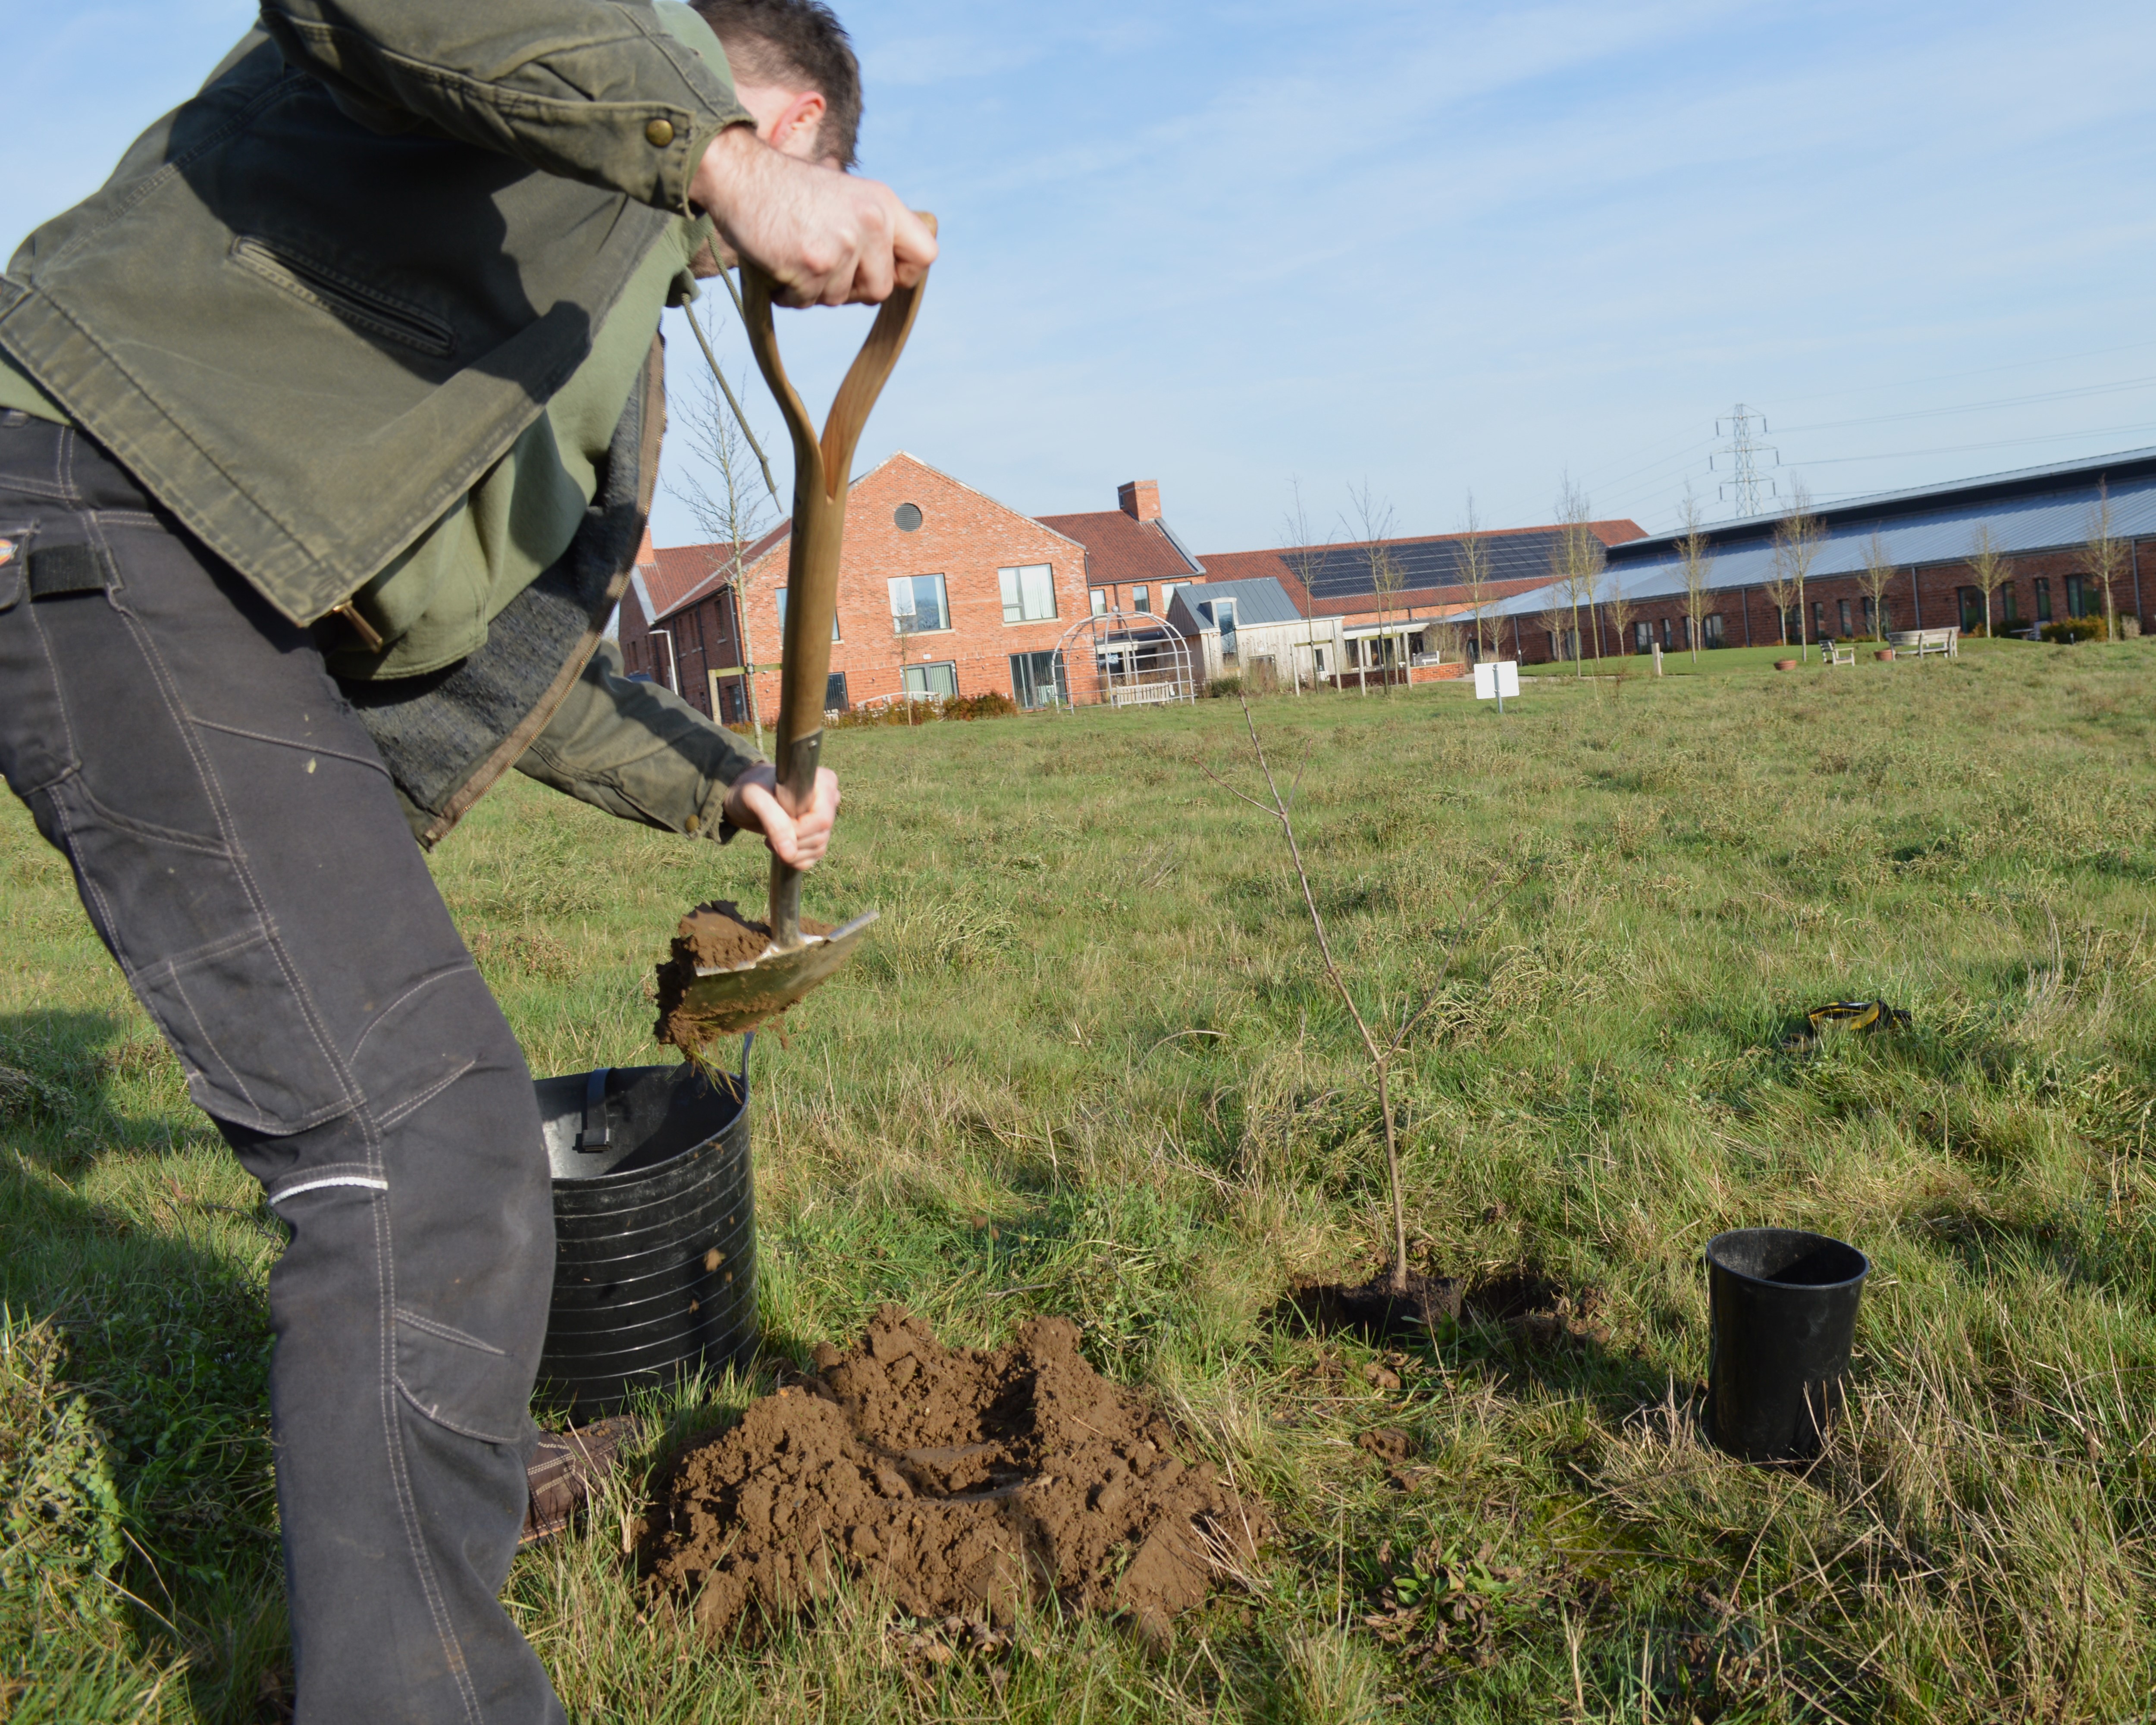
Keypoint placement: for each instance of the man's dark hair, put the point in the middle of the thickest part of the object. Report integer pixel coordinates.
(797, 44)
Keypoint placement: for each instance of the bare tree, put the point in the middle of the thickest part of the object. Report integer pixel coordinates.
(1374, 516)
(1696, 563)
(1451, 638)
(1617, 607)
(2104, 556)
(720, 491)
(1580, 559)
(1474, 555)
(1877, 576)
(1553, 614)
(1987, 568)
(1381, 1046)
(1780, 588)
(1798, 542)
(1306, 558)
(900, 645)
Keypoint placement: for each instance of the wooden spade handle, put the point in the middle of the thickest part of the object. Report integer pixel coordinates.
(820, 479)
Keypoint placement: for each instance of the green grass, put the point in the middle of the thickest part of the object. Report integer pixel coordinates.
(1749, 661)
(1089, 1065)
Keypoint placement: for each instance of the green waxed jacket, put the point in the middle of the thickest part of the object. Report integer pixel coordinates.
(318, 300)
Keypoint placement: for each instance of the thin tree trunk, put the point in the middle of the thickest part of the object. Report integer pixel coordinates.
(1393, 1177)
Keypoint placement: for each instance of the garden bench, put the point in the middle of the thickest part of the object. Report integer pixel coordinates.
(1838, 652)
(1921, 641)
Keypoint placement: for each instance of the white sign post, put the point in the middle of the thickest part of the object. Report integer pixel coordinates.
(1496, 678)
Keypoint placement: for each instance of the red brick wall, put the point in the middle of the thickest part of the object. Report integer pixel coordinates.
(1927, 598)
(965, 538)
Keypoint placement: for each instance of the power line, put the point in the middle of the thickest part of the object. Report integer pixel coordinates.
(2004, 443)
(1979, 407)
(2017, 365)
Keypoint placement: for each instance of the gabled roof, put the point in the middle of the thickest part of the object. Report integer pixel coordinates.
(689, 574)
(1257, 602)
(1122, 549)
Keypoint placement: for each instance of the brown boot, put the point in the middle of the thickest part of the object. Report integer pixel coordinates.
(566, 1470)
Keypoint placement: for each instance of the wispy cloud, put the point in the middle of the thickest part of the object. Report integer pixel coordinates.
(1444, 245)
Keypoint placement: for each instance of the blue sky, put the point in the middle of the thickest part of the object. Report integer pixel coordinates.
(1438, 248)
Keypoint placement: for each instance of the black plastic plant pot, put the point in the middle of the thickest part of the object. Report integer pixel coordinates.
(1782, 1308)
(654, 1231)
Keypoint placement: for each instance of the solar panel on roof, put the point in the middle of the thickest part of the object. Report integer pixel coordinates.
(1343, 572)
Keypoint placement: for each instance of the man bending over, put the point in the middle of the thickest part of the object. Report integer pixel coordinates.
(328, 429)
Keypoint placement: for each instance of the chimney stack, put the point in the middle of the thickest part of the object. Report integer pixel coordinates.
(1140, 500)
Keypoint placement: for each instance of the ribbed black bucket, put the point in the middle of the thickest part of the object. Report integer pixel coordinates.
(654, 1231)
(1781, 1311)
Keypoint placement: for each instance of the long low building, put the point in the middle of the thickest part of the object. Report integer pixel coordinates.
(2041, 520)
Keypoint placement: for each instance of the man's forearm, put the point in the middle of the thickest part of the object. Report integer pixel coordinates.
(639, 751)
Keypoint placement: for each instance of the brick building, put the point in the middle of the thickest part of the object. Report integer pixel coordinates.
(2042, 518)
(942, 591)
(1335, 587)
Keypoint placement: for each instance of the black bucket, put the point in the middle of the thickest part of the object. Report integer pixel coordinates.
(1782, 1308)
(654, 1231)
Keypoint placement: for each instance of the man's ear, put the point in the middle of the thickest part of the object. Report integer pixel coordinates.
(795, 131)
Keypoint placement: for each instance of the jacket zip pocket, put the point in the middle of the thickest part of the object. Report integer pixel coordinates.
(350, 301)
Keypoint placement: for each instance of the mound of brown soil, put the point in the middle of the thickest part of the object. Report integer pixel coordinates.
(712, 936)
(960, 1481)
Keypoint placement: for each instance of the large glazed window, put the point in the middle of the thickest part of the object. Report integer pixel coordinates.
(919, 604)
(1037, 679)
(932, 679)
(1029, 592)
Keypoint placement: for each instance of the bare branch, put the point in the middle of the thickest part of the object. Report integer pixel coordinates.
(1309, 898)
(1474, 573)
(1877, 576)
(1697, 560)
(1987, 568)
(741, 418)
(2105, 555)
(717, 491)
(1798, 542)
(1380, 1054)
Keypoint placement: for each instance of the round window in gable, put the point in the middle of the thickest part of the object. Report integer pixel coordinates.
(908, 517)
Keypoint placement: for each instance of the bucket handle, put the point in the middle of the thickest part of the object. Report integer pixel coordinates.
(595, 1136)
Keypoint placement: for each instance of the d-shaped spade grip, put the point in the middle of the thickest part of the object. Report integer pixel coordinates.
(820, 470)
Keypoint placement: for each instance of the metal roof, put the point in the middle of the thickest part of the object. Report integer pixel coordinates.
(2050, 517)
(1257, 602)
(2125, 466)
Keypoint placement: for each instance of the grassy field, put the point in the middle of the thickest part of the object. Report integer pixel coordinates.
(1089, 1065)
(1740, 661)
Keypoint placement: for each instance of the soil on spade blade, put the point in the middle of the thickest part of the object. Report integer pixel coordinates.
(712, 936)
(960, 1481)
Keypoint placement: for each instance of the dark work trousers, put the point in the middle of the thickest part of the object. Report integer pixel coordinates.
(237, 844)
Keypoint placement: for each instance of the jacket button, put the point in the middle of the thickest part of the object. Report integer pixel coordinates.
(660, 133)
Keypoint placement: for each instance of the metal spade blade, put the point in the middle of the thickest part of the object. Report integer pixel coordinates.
(743, 996)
